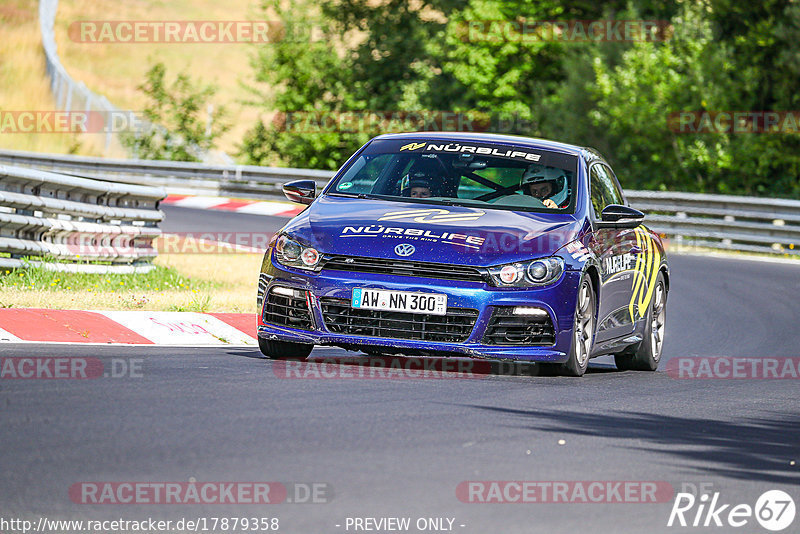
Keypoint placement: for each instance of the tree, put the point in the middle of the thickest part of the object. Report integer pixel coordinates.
(371, 58)
(707, 66)
(178, 129)
(442, 55)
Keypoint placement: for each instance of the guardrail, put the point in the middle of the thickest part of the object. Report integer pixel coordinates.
(723, 222)
(67, 221)
(69, 94)
(245, 181)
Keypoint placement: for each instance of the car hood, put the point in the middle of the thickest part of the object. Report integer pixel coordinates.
(442, 234)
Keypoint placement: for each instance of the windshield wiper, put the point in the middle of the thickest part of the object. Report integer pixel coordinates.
(459, 202)
(437, 202)
(351, 195)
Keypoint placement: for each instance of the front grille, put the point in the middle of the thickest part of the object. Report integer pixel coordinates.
(455, 327)
(506, 328)
(287, 310)
(424, 269)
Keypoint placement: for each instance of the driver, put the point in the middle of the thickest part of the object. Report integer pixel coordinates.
(419, 185)
(543, 183)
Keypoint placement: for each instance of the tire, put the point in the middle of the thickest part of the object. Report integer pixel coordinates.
(278, 350)
(646, 355)
(582, 334)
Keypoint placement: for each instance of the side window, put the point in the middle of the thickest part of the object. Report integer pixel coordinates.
(604, 190)
(598, 197)
(619, 198)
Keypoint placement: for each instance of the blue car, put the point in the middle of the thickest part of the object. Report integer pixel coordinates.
(473, 245)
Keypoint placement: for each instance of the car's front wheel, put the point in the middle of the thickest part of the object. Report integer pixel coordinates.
(582, 333)
(646, 355)
(278, 350)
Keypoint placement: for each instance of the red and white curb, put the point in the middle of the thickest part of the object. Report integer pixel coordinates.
(127, 327)
(252, 207)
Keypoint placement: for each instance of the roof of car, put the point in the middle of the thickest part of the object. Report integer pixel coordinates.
(489, 138)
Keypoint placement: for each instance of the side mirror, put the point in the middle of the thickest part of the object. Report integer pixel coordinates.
(300, 191)
(616, 216)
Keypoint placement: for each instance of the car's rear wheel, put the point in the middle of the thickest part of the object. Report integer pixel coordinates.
(647, 354)
(582, 334)
(278, 350)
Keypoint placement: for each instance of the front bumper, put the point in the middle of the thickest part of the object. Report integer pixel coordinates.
(557, 299)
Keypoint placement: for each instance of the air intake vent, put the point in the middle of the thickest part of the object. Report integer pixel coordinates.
(507, 328)
(288, 307)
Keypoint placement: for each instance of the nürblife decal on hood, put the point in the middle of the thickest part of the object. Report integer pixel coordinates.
(413, 234)
(474, 149)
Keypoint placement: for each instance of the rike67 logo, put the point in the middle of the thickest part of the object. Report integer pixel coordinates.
(774, 510)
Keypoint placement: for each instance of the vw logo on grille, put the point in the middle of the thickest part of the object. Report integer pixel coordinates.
(404, 249)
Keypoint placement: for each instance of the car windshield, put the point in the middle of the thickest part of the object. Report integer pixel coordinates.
(465, 173)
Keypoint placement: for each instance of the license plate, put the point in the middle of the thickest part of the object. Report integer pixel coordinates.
(401, 301)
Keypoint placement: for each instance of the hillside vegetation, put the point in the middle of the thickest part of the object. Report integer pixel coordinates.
(23, 82)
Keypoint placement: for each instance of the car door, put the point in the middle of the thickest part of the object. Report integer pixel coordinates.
(645, 267)
(617, 251)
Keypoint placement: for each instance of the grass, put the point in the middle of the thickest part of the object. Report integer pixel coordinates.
(115, 69)
(24, 85)
(180, 282)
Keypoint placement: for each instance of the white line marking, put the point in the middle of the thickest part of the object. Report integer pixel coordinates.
(266, 208)
(200, 202)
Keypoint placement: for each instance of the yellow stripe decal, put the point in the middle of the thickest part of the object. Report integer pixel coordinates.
(637, 274)
(645, 273)
(655, 258)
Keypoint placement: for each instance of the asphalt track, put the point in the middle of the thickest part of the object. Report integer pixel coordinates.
(399, 448)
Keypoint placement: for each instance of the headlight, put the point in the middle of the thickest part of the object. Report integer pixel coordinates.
(527, 273)
(290, 253)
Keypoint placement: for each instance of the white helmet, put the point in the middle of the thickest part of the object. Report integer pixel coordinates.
(538, 174)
